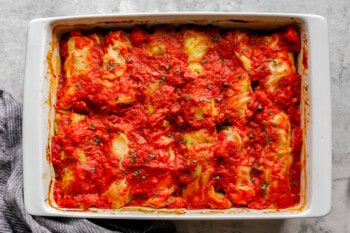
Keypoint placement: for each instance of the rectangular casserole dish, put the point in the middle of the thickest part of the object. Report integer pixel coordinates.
(43, 67)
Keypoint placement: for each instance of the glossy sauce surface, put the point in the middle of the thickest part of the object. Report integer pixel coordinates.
(190, 117)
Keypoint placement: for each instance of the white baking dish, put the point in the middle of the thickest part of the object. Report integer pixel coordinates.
(42, 65)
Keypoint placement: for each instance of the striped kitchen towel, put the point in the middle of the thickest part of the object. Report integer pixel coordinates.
(13, 216)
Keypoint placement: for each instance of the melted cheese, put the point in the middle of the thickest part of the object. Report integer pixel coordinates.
(67, 179)
(196, 45)
(282, 126)
(153, 87)
(80, 155)
(79, 61)
(279, 68)
(244, 190)
(208, 109)
(197, 137)
(155, 49)
(217, 200)
(118, 193)
(232, 134)
(246, 61)
(161, 194)
(120, 147)
(239, 97)
(115, 59)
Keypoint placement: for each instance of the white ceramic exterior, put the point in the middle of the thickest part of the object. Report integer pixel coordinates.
(43, 35)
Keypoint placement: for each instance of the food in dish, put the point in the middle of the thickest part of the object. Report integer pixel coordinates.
(188, 117)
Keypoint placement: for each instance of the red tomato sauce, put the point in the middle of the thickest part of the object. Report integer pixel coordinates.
(243, 155)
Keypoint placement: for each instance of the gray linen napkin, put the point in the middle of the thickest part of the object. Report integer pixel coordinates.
(14, 218)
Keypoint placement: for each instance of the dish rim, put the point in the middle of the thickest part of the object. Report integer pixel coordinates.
(317, 204)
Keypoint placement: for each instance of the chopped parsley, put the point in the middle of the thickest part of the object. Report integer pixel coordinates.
(92, 127)
(97, 140)
(264, 186)
(133, 158)
(77, 84)
(110, 66)
(137, 172)
(204, 61)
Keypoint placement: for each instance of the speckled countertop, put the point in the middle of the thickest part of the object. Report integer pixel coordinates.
(14, 18)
